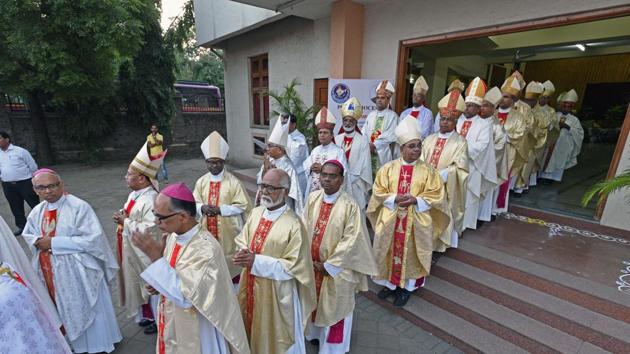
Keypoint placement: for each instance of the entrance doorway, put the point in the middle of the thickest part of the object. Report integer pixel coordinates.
(593, 58)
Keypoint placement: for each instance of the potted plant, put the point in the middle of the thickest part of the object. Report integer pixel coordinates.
(289, 101)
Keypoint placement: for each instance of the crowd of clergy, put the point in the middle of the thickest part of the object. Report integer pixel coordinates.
(213, 271)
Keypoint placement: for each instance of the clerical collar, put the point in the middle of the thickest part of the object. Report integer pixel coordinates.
(350, 134)
(273, 215)
(186, 236)
(405, 163)
(138, 193)
(471, 118)
(294, 133)
(504, 110)
(446, 135)
(327, 146)
(331, 199)
(56, 205)
(216, 178)
(414, 108)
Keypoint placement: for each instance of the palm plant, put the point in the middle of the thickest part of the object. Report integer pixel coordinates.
(289, 101)
(606, 187)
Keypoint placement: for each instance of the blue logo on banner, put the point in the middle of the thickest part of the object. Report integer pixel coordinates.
(340, 93)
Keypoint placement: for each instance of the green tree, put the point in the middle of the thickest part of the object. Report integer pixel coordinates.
(290, 101)
(67, 53)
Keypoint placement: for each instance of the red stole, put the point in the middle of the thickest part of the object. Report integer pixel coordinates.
(502, 117)
(347, 144)
(437, 152)
(415, 113)
(161, 323)
(318, 234)
(119, 231)
(213, 200)
(256, 246)
(49, 226)
(464, 131)
(398, 249)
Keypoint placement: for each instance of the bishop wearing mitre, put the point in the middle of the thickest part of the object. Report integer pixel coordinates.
(357, 150)
(222, 201)
(409, 212)
(446, 151)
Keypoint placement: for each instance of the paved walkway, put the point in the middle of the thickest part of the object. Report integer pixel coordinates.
(375, 330)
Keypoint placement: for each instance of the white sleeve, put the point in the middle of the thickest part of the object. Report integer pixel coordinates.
(444, 174)
(390, 203)
(230, 210)
(60, 245)
(332, 270)
(32, 165)
(198, 206)
(163, 278)
(269, 267)
(421, 206)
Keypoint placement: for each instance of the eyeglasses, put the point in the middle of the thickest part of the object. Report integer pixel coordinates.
(163, 217)
(269, 188)
(51, 187)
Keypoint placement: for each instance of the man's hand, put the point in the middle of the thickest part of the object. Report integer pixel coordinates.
(44, 243)
(152, 248)
(405, 200)
(151, 290)
(319, 266)
(119, 218)
(244, 258)
(564, 125)
(210, 210)
(316, 167)
(372, 148)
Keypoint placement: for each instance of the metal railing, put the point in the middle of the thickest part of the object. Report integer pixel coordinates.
(15, 103)
(202, 103)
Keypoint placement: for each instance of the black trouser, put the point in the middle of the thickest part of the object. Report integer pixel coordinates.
(17, 193)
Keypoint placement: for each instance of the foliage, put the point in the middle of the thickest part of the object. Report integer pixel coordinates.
(146, 80)
(202, 65)
(289, 101)
(606, 187)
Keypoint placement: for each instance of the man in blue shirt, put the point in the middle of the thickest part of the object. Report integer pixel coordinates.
(16, 169)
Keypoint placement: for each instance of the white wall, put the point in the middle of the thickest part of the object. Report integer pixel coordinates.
(617, 210)
(215, 19)
(469, 65)
(388, 22)
(296, 48)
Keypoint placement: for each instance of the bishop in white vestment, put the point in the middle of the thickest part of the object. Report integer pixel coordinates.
(357, 151)
(74, 259)
(297, 148)
(419, 111)
(380, 125)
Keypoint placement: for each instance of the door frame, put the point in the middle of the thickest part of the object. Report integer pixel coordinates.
(547, 22)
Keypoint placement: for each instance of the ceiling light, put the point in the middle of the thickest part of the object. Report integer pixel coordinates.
(581, 47)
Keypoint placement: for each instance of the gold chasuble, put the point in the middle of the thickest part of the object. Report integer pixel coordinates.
(267, 305)
(340, 238)
(517, 148)
(205, 282)
(228, 191)
(450, 154)
(404, 239)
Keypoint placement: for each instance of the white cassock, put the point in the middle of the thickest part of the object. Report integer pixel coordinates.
(297, 149)
(385, 141)
(82, 265)
(165, 280)
(482, 177)
(424, 117)
(296, 194)
(27, 326)
(359, 172)
(321, 154)
(565, 152)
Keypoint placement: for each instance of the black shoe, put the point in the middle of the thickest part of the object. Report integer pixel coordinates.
(402, 298)
(150, 329)
(314, 342)
(145, 322)
(493, 218)
(479, 223)
(386, 292)
(18, 232)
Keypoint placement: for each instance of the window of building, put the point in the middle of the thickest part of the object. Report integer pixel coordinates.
(259, 81)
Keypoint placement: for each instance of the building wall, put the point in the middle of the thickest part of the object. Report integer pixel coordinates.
(296, 48)
(388, 22)
(617, 209)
